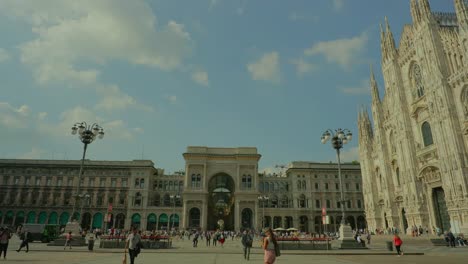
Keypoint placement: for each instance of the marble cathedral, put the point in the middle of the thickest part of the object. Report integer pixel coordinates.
(414, 154)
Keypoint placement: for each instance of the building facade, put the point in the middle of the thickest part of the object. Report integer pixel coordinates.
(414, 157)
(220, 186)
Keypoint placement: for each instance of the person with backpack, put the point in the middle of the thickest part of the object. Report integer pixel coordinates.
(398, 242)
(247, 241)
(5, 236)
(133, 243)
(25, 237)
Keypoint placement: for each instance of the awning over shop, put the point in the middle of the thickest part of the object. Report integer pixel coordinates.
(163, 218)
(152, 218)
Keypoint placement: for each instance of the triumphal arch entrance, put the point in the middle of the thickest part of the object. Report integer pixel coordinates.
(220, 188)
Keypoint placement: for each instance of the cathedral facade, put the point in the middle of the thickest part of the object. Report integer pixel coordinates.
(414, 157)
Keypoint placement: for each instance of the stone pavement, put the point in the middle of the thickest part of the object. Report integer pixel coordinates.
(232, 253)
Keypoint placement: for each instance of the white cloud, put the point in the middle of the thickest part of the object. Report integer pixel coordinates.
(363, 88)
(35, 153)
(303, 67)
(266, 68)
(4, 55)
(344, 51)
(351, 154)
(338, 5)
(172, 99)
(115, 99)
(11, 117)
(94, 32)
(42, 115)
(200, 77)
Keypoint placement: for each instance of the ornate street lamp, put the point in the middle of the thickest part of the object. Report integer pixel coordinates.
(263, 199)
(339, 137)
(87, 134)
(173, 198)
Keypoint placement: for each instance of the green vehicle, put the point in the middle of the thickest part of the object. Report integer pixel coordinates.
(42, 232)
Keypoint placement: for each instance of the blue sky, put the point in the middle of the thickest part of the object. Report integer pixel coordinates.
(163, 75)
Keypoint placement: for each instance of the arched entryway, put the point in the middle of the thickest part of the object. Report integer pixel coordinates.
(318, 224)
(361, 222)
(351, 222)
(97, 220)
(194, 218)
(247, 218)
(277, 222)
(42, 218)
(174, 221)
(120, 221)
(304, 223)
(221, 202)
(162, 223)
(63, 218)
(86, 221)
(136, 220)
(8, 218)
(288, 222)
(267, 221)
(151, 222)
(53, 218)
(19, 219)
(440, 209)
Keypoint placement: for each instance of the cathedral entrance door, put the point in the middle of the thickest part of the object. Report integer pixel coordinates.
(440, 209)
(405, 220)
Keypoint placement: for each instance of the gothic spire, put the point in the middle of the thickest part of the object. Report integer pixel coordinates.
(461, 10)
(425, 8)
(374, 87)
(415, 11)
(390, 40)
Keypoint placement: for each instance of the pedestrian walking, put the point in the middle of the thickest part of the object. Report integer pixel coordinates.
(208, 239)
(25, 236)
(368, 238)
(398, 242)
(68, 240)
(269, 247)
(247, 241)
(195, 239)
(5, 236)
(133, 244)
(451, 238)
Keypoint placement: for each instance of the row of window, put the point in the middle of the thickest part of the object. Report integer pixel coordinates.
(61, 181)
(168, 185)
(246, 181)
(301, 186)
(49, 198)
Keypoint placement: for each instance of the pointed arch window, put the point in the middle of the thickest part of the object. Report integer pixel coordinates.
(417, 80)
(397, 172)
(427, 134)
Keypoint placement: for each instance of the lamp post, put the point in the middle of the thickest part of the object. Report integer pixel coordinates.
(86, 198)
(339, 137)
(263, 199)
(173, 198)
(87, 134)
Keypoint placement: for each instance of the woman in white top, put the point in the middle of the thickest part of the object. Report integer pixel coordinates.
(269, 243)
